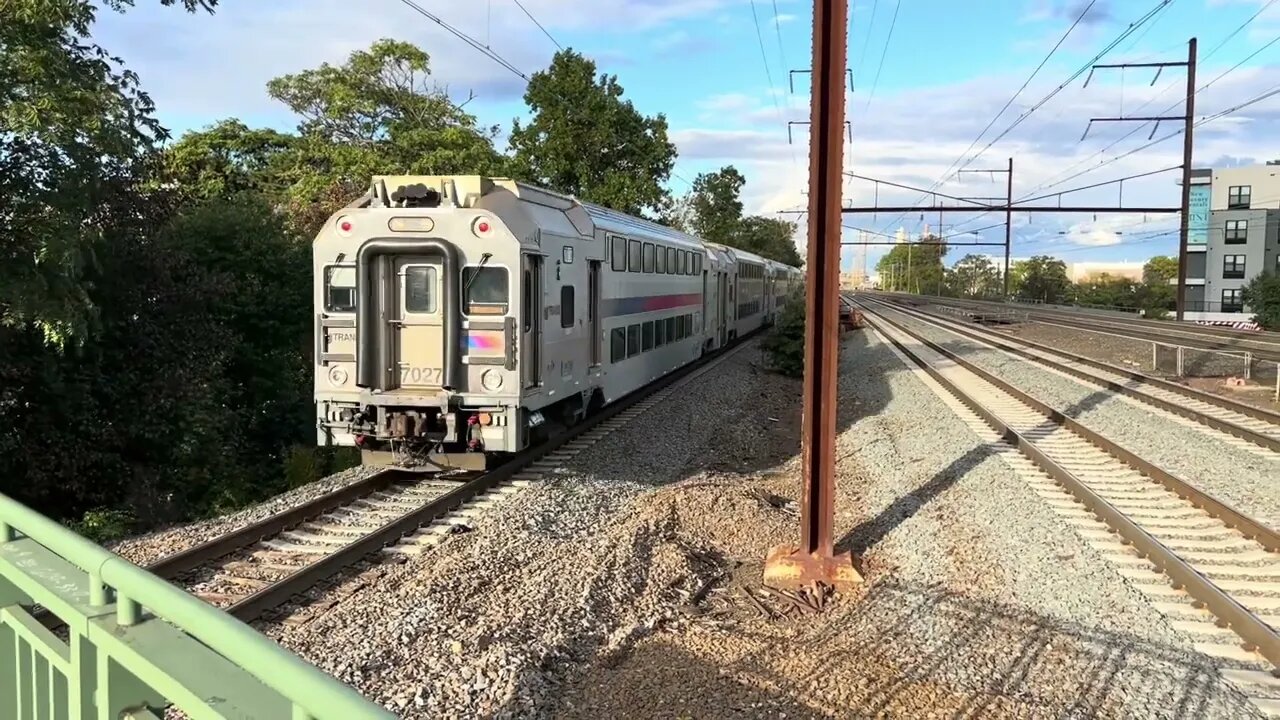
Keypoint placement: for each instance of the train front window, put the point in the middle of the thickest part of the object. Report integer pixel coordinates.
(485, 290)
(340, 288)
(420, 289)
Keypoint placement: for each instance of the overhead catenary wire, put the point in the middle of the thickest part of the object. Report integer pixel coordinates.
(1028, 112)
(490, 53)
(880, 66)
(535, 22)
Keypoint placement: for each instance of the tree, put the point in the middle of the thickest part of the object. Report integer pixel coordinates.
(1262, 295)
(585, 140)
(1044, 278)
(74, 130)
(226, 159)
(912, 267)
(1108, 291)
(974, 276)
(1157, 295)
(714, 205)
(769, 237)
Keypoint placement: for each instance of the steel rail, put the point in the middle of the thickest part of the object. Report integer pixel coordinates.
(171, 566)
(255, 604)
(1267, 441)
(1266, 347)
(1257, 635)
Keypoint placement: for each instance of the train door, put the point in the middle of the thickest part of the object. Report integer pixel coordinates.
(531, 322)
(706, 319)
(418, 324)
(593, 312)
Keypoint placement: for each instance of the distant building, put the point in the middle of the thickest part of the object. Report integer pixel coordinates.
(1087, 271)
(1234, 234)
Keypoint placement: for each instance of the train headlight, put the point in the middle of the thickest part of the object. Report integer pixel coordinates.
(491, 380)
(337, 376)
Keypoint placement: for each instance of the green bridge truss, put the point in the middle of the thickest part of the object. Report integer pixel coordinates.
(127, 644)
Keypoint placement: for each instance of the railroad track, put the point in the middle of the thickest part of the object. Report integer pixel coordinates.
(1212, 571)
(1263, 345)
(1257, 426)
(263, 566)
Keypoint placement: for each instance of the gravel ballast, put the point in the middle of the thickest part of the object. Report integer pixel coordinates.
(617, 588)
(1245, 480)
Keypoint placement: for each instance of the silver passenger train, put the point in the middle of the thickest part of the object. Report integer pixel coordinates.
(463, 317)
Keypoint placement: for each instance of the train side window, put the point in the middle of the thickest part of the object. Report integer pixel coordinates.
(646, 334)
(648, 257)
(633, 263)
(688, 325)
(619, 253)
(660, 261)
(671, 260)
(671, 329)
(485, 290)
(633, 340)
(566, 306)
(659, 333)
(617, 345)
(419, 289)
(697, 264)
(340, 288)
(688, 263)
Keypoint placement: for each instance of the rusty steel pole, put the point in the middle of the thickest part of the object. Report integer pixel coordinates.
(1008, 227)
(1184, 229)
(814, 559)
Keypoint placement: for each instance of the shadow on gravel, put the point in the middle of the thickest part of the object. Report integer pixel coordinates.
(902, 651)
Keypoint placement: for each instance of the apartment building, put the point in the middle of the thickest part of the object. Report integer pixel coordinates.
(1234, 234)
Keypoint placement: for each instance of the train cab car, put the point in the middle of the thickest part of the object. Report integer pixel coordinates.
(749, 292)
(460, 317)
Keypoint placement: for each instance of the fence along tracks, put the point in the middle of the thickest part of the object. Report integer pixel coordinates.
(1253, 424)
(1167, 537)
(262, 566)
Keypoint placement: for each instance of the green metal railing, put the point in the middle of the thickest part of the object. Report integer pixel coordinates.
(136, 644)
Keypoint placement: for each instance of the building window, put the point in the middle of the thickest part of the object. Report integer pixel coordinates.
(1233, 267)
(1237, 232)
(566, 306)
(619, 254)
(1233, 300)
(1238, 196)
(648, 257)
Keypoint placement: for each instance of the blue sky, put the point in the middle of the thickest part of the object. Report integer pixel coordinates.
(948, 67)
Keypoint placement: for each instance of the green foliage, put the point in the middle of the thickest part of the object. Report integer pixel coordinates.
(974, 276)
(1108, 291)
(584, 139)
(785, 343)
(74, 128)
(104, 525)
(712, 211)
(1042, 278)
(1262, 295)
(913, 268)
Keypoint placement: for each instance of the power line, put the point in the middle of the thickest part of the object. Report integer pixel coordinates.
(489, 53)
(866, 41)
(777, 27)
(888, 39)
(764, 57)
(535, 22)
(1028, 112)
(1053, 182)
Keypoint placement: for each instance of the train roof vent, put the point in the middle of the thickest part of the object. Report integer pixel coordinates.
(416, 195)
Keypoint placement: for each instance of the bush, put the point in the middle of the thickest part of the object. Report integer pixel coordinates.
(785, 343)
(103, 525)
(1262, 295)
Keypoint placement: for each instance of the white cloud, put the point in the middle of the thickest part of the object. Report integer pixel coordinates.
(895, 141)
(209, 66)
(781, 18)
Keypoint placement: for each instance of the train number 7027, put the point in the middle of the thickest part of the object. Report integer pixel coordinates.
(421, 375)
